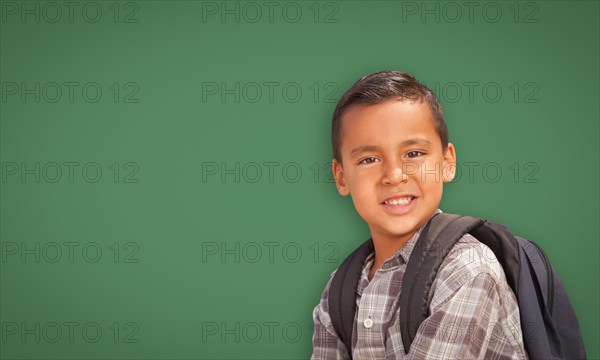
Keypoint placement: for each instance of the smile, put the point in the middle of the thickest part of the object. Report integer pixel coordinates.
(399, 201)
(399, 205)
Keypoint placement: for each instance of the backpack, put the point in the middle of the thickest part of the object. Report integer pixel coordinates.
(548, 321)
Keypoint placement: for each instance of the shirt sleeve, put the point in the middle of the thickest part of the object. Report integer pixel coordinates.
(326, 343)
(467, 325)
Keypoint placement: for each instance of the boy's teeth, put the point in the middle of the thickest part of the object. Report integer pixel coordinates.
(401, 201)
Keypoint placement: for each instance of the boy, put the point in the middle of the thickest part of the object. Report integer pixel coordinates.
(391, 153)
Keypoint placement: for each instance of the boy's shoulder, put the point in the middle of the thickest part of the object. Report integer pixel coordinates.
(467, 259)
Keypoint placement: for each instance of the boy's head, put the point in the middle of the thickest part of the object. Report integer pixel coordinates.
(391, 152)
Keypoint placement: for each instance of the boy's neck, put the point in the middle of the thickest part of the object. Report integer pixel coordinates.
(385, 248)
(387, 245)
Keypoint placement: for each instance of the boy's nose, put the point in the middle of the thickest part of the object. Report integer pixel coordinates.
(394, 174)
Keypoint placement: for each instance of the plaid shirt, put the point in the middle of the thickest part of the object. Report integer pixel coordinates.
(474, 312)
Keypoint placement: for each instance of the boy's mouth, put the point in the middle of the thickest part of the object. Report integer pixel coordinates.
(399, 200)
(398, 205)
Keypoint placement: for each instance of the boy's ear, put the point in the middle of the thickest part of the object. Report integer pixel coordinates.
(449, 168)
(338, 175)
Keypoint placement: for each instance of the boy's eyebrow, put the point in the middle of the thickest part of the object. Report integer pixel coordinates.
(368, 148)
(416, 141)
(362, 149)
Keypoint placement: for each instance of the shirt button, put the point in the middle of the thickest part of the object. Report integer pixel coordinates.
(368, 323)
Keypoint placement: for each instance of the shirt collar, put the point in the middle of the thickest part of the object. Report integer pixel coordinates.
(403, 254)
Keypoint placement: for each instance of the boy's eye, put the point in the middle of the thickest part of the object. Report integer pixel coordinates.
(418, 153)
(368, 160)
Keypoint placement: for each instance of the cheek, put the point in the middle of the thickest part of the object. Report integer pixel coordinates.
(432, 190)
(360, 180)
(363, 192)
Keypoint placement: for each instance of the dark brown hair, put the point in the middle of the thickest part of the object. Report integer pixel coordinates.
(379, 87)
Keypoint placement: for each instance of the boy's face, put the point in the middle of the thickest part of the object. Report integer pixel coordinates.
(393, 166)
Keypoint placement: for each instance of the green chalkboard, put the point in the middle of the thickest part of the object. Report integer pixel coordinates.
(166, 187)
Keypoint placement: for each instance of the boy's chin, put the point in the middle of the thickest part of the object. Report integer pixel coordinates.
(403, 226)
(398, 230)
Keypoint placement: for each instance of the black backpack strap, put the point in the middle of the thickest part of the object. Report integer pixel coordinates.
(505, 247)
(342, 293)
(435, 242)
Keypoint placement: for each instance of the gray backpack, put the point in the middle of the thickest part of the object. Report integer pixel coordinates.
(548, 321)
